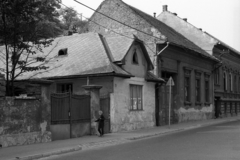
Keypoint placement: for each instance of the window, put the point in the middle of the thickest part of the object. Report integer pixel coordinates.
(225, 81)
(230, 82)
(235, 83)
(63, 88)
(198, 87)
(187, 87)
(239, 84)
(216, 78)
(62, 52)
(136, 97)
(207, 99)
(135, 57)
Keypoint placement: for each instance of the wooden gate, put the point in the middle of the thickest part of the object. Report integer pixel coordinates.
(105, 107)
(164, 105)
(70, 115)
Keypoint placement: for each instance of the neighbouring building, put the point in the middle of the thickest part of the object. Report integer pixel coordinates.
(226, 74)
(172, 54)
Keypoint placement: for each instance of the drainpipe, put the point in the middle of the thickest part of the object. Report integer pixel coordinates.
(156, 61)
(157, 86)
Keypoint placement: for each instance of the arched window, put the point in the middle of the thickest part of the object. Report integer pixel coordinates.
(62, 52)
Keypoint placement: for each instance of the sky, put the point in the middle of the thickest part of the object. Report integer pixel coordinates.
(220, 18)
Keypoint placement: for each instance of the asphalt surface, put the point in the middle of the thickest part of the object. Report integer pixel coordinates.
(216, 142)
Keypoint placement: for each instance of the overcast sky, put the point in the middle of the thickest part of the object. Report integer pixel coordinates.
(220, 18)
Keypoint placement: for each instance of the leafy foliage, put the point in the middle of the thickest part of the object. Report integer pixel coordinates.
(71, 20)
(26, 27)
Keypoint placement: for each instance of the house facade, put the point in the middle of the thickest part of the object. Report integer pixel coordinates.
(119, 65)
(226, 74)
(172, 54)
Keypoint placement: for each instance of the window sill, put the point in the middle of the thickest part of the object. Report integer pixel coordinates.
(136, 110)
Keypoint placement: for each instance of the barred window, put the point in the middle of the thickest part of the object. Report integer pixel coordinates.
(136, 97)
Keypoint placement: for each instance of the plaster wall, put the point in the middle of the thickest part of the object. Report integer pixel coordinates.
(122, 119)
(192, 111)
(139, 69)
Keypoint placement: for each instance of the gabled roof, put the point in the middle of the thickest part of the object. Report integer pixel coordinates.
(196, 35)
(119, 46)
(173, 36)
(222, 43)
(86, 56)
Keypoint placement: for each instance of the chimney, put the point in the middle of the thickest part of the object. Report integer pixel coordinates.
(154, 14)
(200, 29)
(185, 19)
(165, 8)
(175, 14)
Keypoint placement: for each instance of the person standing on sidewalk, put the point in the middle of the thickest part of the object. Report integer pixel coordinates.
(100, 121)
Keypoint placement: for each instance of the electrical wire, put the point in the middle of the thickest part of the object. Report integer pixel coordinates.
(110, 29)
(127, 24)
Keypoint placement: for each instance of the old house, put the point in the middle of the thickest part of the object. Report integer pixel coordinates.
(173, 56)
(226, 74)
(119, 66)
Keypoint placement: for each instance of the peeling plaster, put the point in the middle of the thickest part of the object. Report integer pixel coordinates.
(194, 114)
(43, 126)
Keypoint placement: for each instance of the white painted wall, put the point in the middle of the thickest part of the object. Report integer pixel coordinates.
(122, 119)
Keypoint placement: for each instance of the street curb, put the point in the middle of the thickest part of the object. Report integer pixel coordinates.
(115, 141)
(48, 154)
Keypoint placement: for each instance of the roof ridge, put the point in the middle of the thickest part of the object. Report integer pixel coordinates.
(196, 48)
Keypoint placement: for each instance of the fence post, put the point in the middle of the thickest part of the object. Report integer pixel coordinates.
(94, 104)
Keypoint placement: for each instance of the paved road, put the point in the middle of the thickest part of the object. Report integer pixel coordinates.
(217, 142)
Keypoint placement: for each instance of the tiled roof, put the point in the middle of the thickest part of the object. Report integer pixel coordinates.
(81, 59)
(152, 78)
(119, 46)
(172, 36)
(224, 44)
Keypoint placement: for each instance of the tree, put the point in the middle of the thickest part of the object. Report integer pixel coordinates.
(71, 20)
(26, 26)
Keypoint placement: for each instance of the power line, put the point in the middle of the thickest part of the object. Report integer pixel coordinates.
(109, 29)
(133, 27)
(117, 20)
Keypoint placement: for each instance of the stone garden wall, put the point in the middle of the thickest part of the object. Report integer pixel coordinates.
(22, 122)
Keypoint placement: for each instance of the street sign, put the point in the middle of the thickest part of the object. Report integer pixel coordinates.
(170, 82)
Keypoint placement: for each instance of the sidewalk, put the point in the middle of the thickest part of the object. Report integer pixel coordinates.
(41, 150)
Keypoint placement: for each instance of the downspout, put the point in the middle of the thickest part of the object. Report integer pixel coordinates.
(157, 88)
(156, 61)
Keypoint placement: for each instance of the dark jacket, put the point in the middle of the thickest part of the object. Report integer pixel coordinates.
(100, 121)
